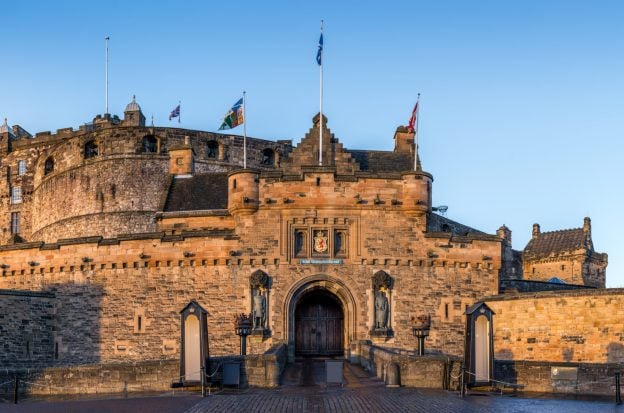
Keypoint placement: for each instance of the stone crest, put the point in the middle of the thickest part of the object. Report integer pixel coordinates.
(321, 244)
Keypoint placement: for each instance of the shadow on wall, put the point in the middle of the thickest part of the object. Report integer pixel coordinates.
(56, 326)
(615, 353)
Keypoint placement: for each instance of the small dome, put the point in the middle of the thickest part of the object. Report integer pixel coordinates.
(4, 128)
(133, 106)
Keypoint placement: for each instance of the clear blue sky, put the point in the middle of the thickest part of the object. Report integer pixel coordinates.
(522, 115)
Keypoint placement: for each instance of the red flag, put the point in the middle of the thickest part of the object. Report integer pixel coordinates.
(412, 121)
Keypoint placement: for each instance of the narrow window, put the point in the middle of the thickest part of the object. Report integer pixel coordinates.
(234, 184)
(21, 167)
(8, 169)
(446, 314)
(48, 167)
(212, 150)
(139, 323)
(56, 354)
(16, 195)
(149, 144)
(562, 267)
(90, 150)
(533, 270)
(318, 181)
(15, 222)
(27, 347)
(268, 157)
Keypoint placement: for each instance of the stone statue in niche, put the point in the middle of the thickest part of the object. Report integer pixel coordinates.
(259, 284)
(382, 293)
(259, 309)
(381, 310)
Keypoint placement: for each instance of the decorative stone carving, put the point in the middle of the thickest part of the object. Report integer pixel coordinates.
(259, 279)
(381, 280)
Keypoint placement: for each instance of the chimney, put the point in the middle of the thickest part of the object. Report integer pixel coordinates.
(504, 233)
(536, 230)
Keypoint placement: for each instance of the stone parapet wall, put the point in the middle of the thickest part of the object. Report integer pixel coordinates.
(430, 371)
(93, 378)
(560, 326)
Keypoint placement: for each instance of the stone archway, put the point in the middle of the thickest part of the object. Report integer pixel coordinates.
(313, 289)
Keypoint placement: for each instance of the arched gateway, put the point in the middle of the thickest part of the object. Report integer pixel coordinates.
(320, 317)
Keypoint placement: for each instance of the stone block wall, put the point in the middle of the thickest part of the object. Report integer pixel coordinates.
(584, 326)
(26, 328)
(430, 371)
(558, 377)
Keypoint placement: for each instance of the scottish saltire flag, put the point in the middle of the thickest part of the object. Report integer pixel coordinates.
(175, 113)
(234, 117)
(319, 54)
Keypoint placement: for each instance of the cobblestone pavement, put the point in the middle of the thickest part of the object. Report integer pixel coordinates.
(303, 390)
(166, 403)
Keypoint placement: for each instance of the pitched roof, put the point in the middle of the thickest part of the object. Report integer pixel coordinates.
(381, 161)
(555, 242)
(199, 192)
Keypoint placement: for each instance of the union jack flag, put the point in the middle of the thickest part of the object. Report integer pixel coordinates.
(175, 113)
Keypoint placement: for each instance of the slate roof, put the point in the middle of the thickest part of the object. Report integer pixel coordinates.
(378, 161)
(555, 242)
(200, 192)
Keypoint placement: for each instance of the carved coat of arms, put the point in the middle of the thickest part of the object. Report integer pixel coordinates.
(320, 241)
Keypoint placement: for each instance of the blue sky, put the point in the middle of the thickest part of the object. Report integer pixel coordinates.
(522, 115)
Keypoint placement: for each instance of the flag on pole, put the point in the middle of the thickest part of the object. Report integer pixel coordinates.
(234, 117)
(413, 118)
(175, 113)
(319, 54)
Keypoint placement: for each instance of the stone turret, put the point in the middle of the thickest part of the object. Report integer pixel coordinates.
(417, 192)
(133, 116)
(6, 135)
(243, 192)
(182, 159)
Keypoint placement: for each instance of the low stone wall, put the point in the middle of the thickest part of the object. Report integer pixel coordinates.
(575, 378)
(430, 371)
(257, 370)
(532, 286)
(262, 370)
(93, 378)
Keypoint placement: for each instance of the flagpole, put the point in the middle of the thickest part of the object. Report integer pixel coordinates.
(244, 132)
(321, 104)
(416, 133)
(106, 39)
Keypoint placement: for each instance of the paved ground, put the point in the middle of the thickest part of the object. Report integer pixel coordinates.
(165, 403)
(304, 390)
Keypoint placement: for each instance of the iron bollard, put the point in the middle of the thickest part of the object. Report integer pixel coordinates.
(618, 394)
(16, 389)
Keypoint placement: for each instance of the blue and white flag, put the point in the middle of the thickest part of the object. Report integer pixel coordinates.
(319, 54)
(175, 113)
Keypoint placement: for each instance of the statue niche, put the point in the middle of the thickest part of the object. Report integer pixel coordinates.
(259, 285)
(382, 294)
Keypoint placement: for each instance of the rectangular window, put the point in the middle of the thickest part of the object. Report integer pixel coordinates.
(16, 195)
(21, 167)
(15, 222)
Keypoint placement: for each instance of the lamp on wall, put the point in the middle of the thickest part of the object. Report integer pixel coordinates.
(421, 329)
(188, 254)
(242, 326)
(144, 256)
(33, 263)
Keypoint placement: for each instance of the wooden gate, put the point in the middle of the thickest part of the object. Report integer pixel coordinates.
(319, 325)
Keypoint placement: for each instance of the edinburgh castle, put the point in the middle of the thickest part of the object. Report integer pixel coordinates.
(126, 244)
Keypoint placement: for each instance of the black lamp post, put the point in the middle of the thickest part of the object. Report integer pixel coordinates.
(421, 328)
(243, 325)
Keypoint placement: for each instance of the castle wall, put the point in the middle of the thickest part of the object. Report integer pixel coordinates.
(26, 328)
(565, 326)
